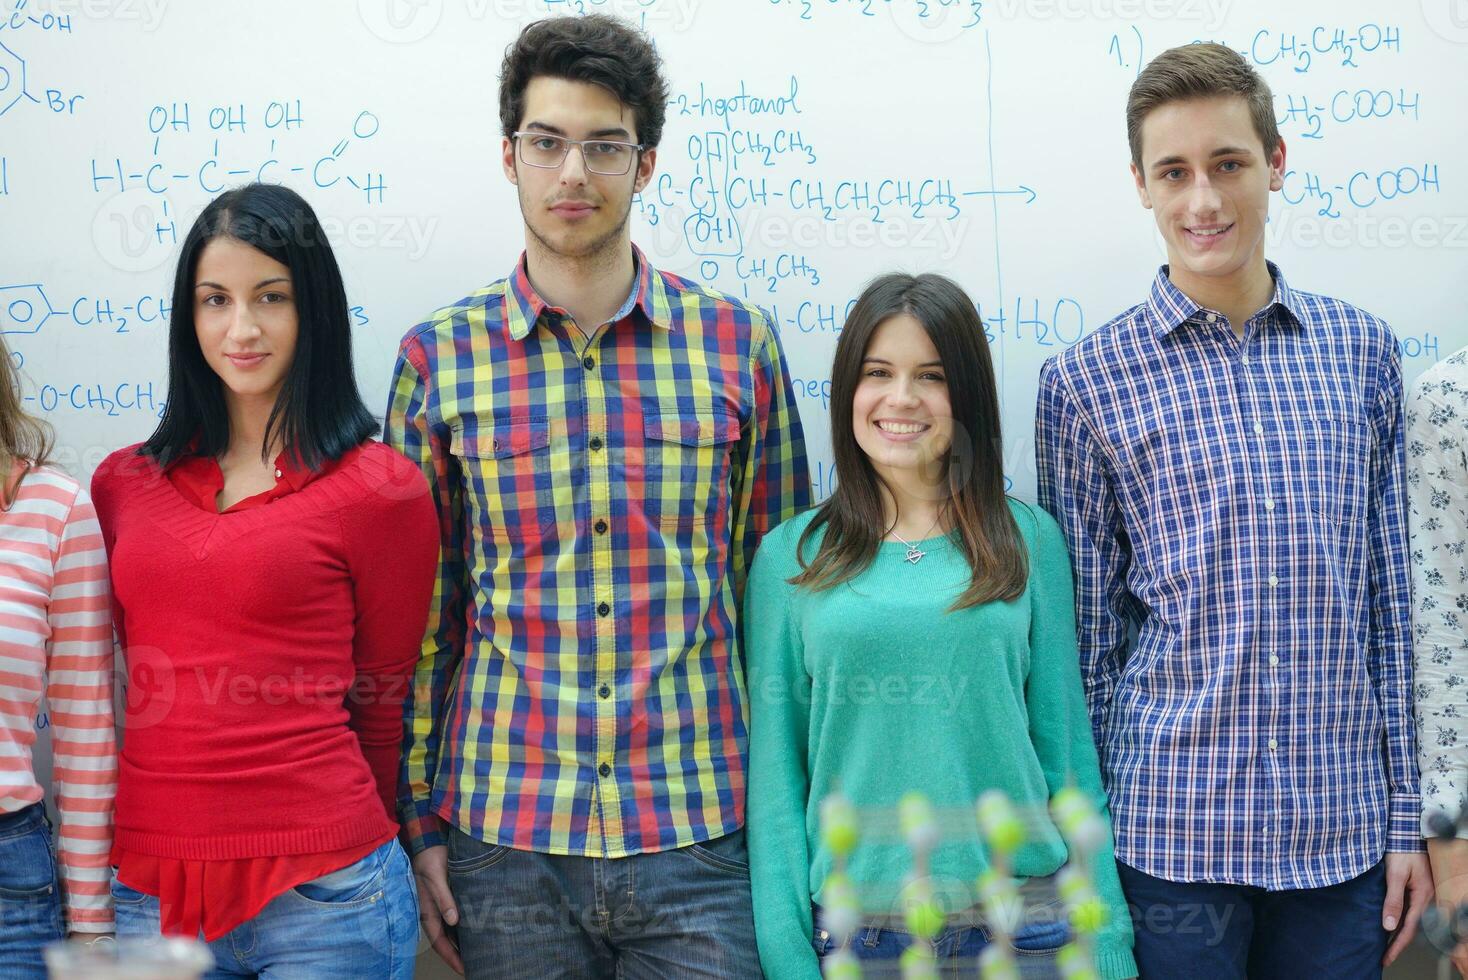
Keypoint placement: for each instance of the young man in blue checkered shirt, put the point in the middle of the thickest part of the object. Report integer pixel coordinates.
(1226, 460)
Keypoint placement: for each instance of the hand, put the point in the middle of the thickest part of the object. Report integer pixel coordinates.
(1450, 872)
(436, 903)
(1408, 892)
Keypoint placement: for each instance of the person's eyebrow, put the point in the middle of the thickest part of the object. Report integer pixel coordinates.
(1222, 151)
(596, 134)
(609, 132)
(211, 284)
(879, 360)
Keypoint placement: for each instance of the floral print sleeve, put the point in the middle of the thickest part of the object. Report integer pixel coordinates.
(1437, 486)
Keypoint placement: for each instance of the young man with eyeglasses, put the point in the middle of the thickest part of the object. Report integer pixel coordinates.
(607, 443)
(1226, 461)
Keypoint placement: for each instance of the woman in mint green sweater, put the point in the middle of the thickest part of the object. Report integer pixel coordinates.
(914, 633)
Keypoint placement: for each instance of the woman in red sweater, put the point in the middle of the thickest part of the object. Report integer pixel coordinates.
(272, 567)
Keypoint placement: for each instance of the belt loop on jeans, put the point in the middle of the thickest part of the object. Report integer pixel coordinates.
(871, 936)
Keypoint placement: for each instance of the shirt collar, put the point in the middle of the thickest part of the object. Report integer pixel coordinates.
(206, 468)
(1170, 308)
(293, 473)
(524, 308)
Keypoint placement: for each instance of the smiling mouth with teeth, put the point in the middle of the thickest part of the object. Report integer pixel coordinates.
(1209, 233)
(902, 428)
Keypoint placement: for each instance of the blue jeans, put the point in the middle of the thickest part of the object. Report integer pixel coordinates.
(683, 913)
(1229, 932)
(879, 948)
(30, 897)
(355, 923)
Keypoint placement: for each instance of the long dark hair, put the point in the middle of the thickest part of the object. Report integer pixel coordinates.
(974, 470)
(319, 414)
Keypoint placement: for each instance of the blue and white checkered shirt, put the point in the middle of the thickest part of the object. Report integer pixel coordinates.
(1241, 505)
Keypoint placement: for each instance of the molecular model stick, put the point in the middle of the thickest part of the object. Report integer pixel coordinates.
(924, 916)
(1003, 832)
(843, 912)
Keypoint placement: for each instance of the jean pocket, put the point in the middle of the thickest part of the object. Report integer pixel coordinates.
(125, 894)
(27, 866)
(1041, 938)
(727, 854)
(468, 855)
(359, 881)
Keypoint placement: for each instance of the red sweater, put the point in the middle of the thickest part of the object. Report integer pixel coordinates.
(268, 652)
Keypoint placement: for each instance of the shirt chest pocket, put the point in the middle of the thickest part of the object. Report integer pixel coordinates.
(508, 475)
(1337, 463)
(686, 460)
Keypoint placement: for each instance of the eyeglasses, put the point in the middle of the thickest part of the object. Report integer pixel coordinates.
(609, 158)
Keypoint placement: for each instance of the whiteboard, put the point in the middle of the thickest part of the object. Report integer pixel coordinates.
(810, 145)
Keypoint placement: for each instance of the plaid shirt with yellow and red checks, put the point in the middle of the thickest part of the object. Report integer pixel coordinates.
(581, 689)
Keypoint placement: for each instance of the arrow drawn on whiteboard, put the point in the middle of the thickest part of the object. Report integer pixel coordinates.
(1030, 191)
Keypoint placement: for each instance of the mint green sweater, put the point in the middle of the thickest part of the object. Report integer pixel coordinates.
(873, 688)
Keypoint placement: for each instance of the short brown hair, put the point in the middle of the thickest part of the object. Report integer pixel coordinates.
(1199, 71)
(595, 49)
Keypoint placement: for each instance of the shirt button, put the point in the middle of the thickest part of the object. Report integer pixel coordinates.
(277, 474)
(1273, 744)
(601, 527)
(1273, 660)
(588, 362)
(1269, 505)
(602, 609)
(1273, 580)
(1265, 831)
(1258, 429)
(595, 444)
(1246, 360)
(604, 769)
(605, 691)
(1213, 318)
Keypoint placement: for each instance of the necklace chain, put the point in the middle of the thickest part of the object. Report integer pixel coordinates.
(914, 553)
